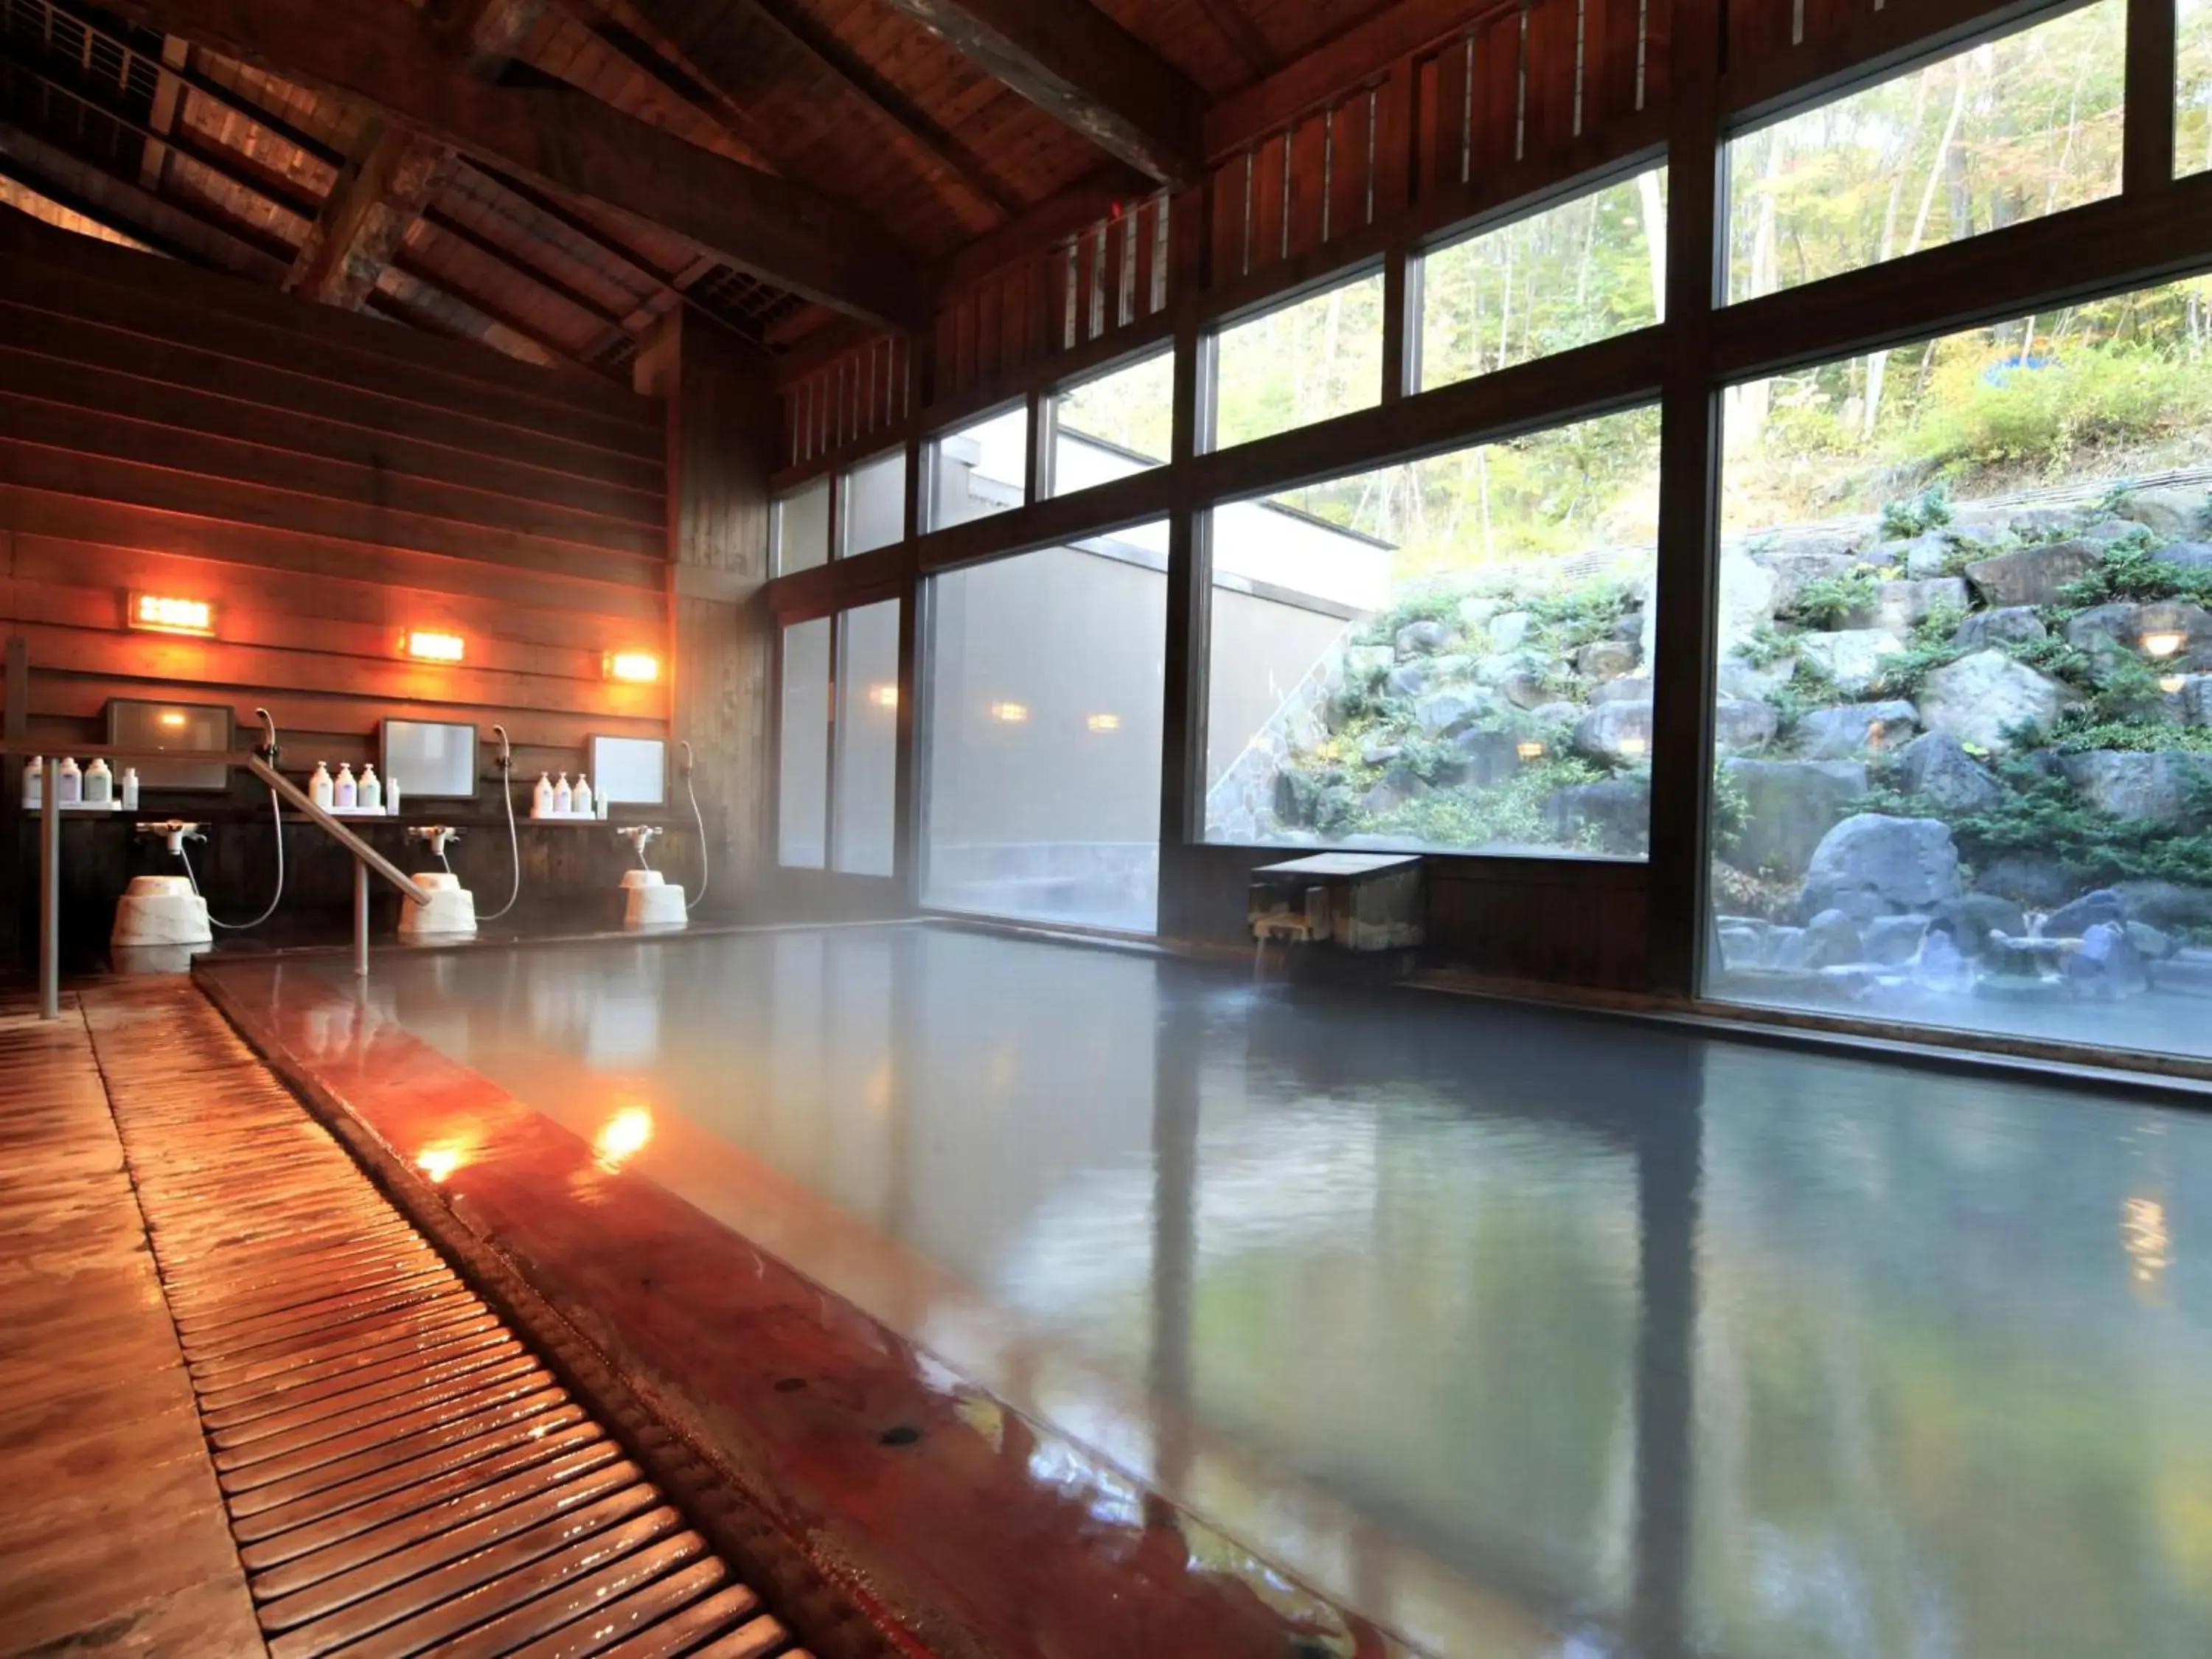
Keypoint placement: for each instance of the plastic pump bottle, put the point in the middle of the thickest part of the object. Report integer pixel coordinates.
(580, 802)
(391, 796)
(98, 781)
(371, 790)
(129, 789)
(320, 789)
(349, 792)
(541, 798)
(34, 783)
(564, 798)
(72, 789)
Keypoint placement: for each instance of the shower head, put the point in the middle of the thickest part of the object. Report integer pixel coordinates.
(506, 751)
(268, 750)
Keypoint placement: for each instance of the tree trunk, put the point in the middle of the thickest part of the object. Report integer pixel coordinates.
(1654, 208)
(1877, 361)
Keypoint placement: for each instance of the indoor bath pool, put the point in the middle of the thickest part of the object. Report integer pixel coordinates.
(1513, 1332)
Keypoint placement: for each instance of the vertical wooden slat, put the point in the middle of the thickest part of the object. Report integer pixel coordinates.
(1657, 56)
(989, 305)
(1550, 123)
(1760, 35)
(1493, 141)
(1228, 198)
(1609, 45)
(1350, 164)
(1145, 221)
(1391, 151)
(1086, 280)
(1270, 170)
(1309, 159)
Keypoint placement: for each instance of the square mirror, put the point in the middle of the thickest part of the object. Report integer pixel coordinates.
(182, 727)
(429, 760)
(630, 771)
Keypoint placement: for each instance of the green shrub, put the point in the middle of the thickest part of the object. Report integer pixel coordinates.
(2129, 574)
(1929, 648)
(1830, 601)
(2101, 396)
(1929, 510)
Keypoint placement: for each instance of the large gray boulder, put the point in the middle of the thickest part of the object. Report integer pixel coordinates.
(1788, 807)
(2166, 904)
(1737, 676)
(2159, 789)
(2010, 624)
(2035, 879)
(1980, 697)
(1613, 815)
(1900, 606)
(1411, 679)
(2107, 964)
(1511, 631)
(2034, 574)
(1832, 938)
(1743, 725)
(1924, 557)
(1444, 711)
(1487, 758)
(1398, 786)
(1636, 689)
(1418, 639)
(1971, 918)
(1874, 865)
(2072, 921)
(2189, 555)
(1936, 768)
(1747, 599)
(2113, 633)
(1615, 731)
(1475, 611)
(1893, 941)
(2175, 513)
(1606, 660)
(1851, 657)
(1796, 568)
(1856, 729)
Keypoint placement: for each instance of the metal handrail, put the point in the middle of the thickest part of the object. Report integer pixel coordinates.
(365, 857)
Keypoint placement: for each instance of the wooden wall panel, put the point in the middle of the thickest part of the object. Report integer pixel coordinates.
(329, 481)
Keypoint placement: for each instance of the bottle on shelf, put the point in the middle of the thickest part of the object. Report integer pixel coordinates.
(320, 789)
(580, 802)
(348, 794)
(34, 783)
(541, 798)
(129, 789)
(370, 791)
(72, 789)
(98, 781)
(564, 798)
(391, 796)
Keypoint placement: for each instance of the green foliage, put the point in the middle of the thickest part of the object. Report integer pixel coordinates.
(1767, 645)
(1731, 813)
(1929, 510)
(1580, 615)
(2095, 397)
(2041, 813)
(1828, 602)
(2128, 574)
(1929, 648)
(2082, 731)
(1809, 688)
(1513, 812)
(1430, 606)
(2054, 655)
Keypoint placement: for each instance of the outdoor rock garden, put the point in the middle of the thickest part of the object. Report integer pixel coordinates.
(1960, 748)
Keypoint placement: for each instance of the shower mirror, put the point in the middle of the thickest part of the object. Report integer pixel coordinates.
(430, 760)
(182, 728)
(630, 771)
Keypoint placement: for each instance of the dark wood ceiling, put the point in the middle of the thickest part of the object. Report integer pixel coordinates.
(931, 123)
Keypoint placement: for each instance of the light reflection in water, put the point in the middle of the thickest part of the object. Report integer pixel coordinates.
(622, 1137)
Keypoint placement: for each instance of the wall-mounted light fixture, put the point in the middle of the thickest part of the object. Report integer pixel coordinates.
(2171, 683)
(164, 613)
(633, 667)
(2164, 642)
(1530, 750)
(1630, 748)
(1014, 713)
(1104, 722)
(426, 646)
(884, 697)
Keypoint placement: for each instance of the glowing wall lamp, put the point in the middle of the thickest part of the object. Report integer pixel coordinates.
(2164, 643)
(884, 697)
(1104, 722)
(633, 667)
(1014, 713)
(424, 646)
(164, 614)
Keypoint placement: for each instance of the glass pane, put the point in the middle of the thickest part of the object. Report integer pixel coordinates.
(1452, 654)
(803, 751)
(867, 739)
(1965, 625)
(1300, 363)
(2192, 111)
(802, 528)
(1113, 426)
(979, 468)
(1044, 741)
(1584, 271)
(875, 504)
(2004, 132)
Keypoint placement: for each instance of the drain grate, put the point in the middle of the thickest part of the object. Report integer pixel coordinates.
(403, 1475)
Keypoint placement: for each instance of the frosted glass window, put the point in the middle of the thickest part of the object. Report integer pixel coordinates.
(1310, 360)
(1584, 271)
(980, 469)
(2006, 130)
(802, 795)
(802, 528)
(864, 813)
(1114, 425)
(875, 504)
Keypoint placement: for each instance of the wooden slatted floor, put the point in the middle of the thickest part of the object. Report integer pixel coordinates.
(400, 1472)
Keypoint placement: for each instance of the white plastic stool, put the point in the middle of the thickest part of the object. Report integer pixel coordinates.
(649, 902)
(450, 912)
(160, 910)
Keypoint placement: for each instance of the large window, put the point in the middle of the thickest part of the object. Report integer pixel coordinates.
(1966, 585)
(979, 470)
(1309, 361)
(2007, 130)
(1450, 653)
(1584, 271)
(803, 748)
(2192, 108)
(1044, 734)
(863, 814)
(802, 528)
(1113, 424)
(874, 505)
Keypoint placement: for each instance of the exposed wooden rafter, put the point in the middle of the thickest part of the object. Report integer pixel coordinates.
(1080, 66)
(1235, 25)
(379, 193)
(375, 52)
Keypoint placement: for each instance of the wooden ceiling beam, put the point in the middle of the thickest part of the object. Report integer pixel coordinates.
(1080, 66)
(1235, 26)
(380, 192)
(376, 52)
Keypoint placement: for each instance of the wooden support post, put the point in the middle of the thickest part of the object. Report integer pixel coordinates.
(2147, 163)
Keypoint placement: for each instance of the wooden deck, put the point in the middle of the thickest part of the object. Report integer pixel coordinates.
(287, 1427)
